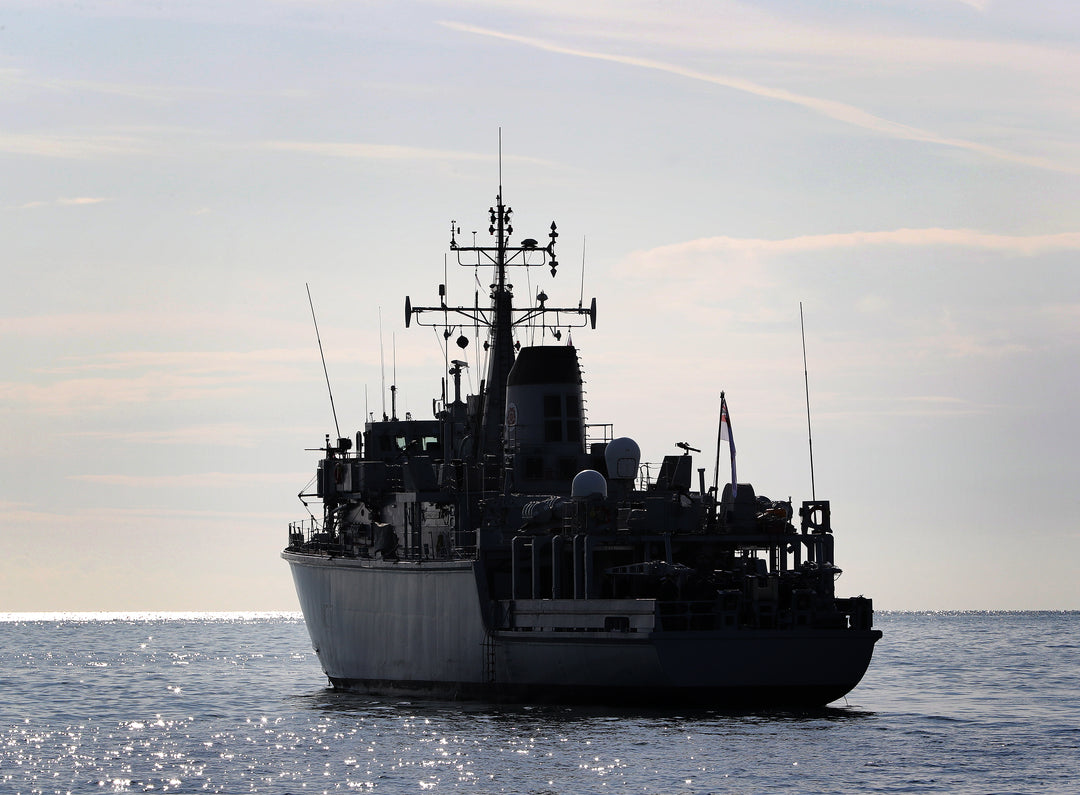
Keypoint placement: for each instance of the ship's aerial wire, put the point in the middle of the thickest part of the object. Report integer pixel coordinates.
(323, 357)
(806, 380)
(443, 343)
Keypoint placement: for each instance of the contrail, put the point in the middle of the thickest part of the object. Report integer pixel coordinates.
(833, 110)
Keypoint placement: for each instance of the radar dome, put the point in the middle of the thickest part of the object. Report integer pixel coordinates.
(588, 483)
(622, 457)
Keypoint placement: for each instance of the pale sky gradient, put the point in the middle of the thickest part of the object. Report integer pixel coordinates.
(174, 173)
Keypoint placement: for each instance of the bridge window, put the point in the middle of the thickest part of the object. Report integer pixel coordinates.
(553, 418)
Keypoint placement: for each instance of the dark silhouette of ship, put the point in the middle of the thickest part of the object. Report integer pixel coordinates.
(508, 550)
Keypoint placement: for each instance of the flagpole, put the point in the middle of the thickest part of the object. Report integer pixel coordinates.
(729, 437)
(719, 438)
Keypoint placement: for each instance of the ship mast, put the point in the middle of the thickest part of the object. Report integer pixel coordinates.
(502, 317)
(501, 342)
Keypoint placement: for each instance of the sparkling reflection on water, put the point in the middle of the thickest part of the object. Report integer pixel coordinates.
(952, 703)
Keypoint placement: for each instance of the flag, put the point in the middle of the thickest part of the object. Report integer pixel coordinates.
(725, 436)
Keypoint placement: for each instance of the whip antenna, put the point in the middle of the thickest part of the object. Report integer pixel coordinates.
(806, 380)
(382, 366)
(581, 295)
(393, 384)
(323, 357)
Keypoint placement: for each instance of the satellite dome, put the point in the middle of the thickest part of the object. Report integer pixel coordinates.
(622, 457)
(588, 483)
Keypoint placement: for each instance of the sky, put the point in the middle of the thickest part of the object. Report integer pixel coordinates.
(173, 174)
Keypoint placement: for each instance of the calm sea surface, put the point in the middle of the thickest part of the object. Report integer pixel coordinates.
(953, 702)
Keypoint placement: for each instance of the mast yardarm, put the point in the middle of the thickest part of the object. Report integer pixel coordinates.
(501, 317)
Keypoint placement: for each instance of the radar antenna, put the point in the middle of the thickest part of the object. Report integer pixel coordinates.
(500, 318)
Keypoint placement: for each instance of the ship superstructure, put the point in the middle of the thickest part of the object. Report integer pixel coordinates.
(507, 549)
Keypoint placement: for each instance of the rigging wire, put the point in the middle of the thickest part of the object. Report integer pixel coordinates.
(300, 496)
(326, 373)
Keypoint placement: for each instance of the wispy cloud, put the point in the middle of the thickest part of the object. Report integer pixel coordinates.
(14, 79)
(195, 480)
(1017, 245)
(365, 151)
(76, 201)
(108, 519)
(1063, 318)
(97, 142)
(141, 322)
(114, 381)
(82, 395)
(70, 146)
(752, 287)
(692, 266)
(901, 406)
(191, 362)
(219, 435)
(750, 29)
(361, 151)
(838, 111)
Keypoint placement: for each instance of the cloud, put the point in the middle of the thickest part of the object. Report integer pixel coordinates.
(745, 28)
(691, 268)
(1017, 245)
(362, 151)
(70, 146)
(82, 395)
(120, 141)
(838, 111)
(977, 311)
(77, 201)
(194, 480)
(191, 362)
(902, 406)
(25, 514)
(219, 434)
(179, 323)
(113, 381)
(13, 79)
(1063, 318)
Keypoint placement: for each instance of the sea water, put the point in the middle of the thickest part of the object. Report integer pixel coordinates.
(953, 702)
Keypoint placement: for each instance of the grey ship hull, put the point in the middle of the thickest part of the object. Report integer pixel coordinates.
(426, 629)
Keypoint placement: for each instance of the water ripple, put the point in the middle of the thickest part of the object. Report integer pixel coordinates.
(952, 703)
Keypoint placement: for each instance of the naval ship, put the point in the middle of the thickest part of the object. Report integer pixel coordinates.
(509, 550)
